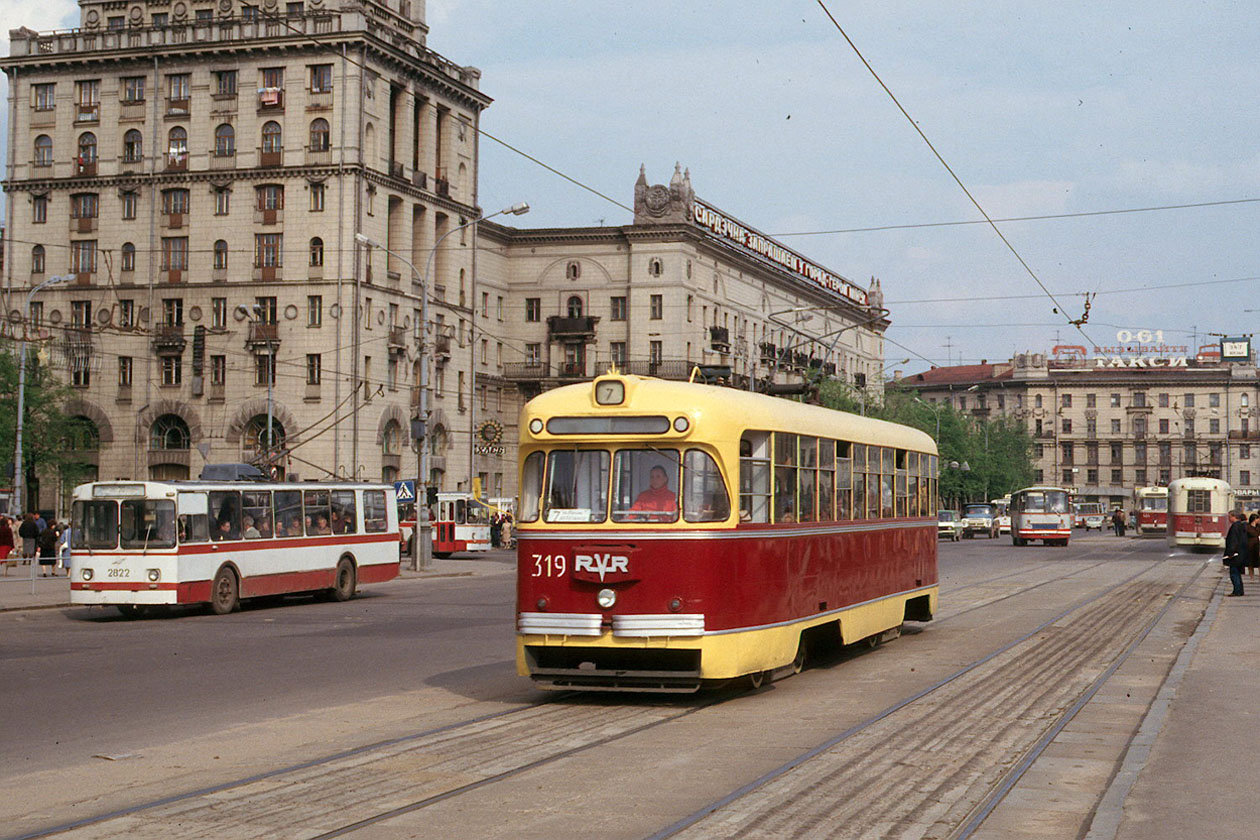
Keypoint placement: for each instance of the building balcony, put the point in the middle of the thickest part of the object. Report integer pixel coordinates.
(442, 348)
(271, 100)
(83, 224)
(271, 157)
(1139, 409)
(177, 107)
(85, 168)
(1244, 434)
(560, 327)
(177, 161)
(174, 221)
(223, 161)
(420, 179)
(87, 113)
(262, 334)
(397, 339)
(168, 339)
(269, 216)
(720, 339)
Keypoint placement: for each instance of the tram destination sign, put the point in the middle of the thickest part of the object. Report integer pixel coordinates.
(767, 249)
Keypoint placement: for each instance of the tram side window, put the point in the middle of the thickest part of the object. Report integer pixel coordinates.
(844, 480)
(934, 500)
(826, 480)
(375, 520)
(531, 486)
(785, 458)
(148, 523)
(95, 524)
(344, 517)
(859, 480)
(577, 486)
(901, 484)
(225, 510)
(887, 472)
(316, 509)
(256, 522)
(912, 484)
(807, 480)
(288, 513)
(704, 496)
(645, 485)
(194, 519)
(754, 477)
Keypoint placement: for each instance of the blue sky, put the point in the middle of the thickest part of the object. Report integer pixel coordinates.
(1039, 108)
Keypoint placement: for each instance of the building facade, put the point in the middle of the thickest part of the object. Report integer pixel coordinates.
(1103, 425)
(197, 172)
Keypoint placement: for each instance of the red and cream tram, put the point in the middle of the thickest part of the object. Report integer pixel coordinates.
(1198, 512)
(671, 534)
(1041, 513)
(1151, 505)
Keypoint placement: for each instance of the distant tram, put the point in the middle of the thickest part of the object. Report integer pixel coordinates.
(1198, 512)
(1151, 505)
(673, 535)
(1041, 513)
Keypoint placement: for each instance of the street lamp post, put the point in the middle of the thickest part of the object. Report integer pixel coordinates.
(936, 409)
(18, 486)
(421, 548)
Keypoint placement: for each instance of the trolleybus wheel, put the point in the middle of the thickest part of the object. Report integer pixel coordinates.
(343, 586)
(224, 592)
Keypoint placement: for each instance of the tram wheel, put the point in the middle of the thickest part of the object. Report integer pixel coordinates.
(441, 555)
(224, 592)
(798, 662)
(758, 678)
(344, 582)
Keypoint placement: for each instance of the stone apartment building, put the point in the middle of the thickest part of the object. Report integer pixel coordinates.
(1104, 425)
(198, 171)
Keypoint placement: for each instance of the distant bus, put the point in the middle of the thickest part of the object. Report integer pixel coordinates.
(1041, 513)
(140, 544)
(1198, 512)
(1151, 505)
(1088, 515)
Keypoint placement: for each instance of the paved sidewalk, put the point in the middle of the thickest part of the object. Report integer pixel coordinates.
(19, 592)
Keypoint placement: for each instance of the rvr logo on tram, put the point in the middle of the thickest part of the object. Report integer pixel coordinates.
(601, 564)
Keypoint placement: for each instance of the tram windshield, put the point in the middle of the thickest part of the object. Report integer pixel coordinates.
(1045, 501)
(1157, 503)
(645, 485)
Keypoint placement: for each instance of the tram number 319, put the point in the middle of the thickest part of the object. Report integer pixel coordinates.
(549, 565)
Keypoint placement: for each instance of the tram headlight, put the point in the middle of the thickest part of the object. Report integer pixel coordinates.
(536, 426)
(606, 598)
(87, 574)
(681, 424)
(155, 575)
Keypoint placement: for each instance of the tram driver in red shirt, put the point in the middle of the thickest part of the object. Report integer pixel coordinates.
(658, 498)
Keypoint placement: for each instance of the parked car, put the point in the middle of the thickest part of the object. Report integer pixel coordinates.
(979, 519)
(949, 525)
(1088, 515)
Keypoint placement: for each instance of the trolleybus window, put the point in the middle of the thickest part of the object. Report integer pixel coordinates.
(257, 519)
(645, 485)
(531, 486)
(704, 497)
(288, 513)
(754, 477)
(826, 480)
(375, 520)
(148, 523)
(318, 512)
(344, 520)
(225, 510)
(194, 522)
(96, 524)
(577, 486)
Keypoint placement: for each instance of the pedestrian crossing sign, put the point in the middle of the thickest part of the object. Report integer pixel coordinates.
(406, 491)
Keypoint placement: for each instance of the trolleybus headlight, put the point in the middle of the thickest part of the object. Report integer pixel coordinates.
(681, 424)
(154, 574)
(87, 574)
(606, 598)
(675, 604)
(536, 426)
(541, 604)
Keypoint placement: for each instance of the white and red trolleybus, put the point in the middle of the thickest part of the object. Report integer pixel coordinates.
(1041, 513)
(139, 544)
(1198, 512)
(672, 535)
(1151, 505)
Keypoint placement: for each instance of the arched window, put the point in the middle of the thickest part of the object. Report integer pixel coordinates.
(169, 432)
(271, 138)
(128, 257)
(254, 436)
(43, 150)
(133, 146)
(37, 259)
(317, 251)
(573, 270)
(391, 439)
(575, 307)
(220, 254)
(369, 144)
(655, 267)
(177, 146)
(82, 434)
(319, 135)
(224, 141)
(87, 147)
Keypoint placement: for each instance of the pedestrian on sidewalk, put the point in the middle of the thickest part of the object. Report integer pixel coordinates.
(1235, 551)
(6, 544)
(1253, 545)
(28, 531)
(47, 552)
(63, 548)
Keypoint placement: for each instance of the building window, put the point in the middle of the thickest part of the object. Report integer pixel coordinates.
(1139, 399)
(1066, 400)
(655, 268)
(498, 308)
(39, 209)
(1115, 426)
(573, 270)
(1244, 478)
(1091, 477)
(43, 150)
(1067, 422)
(37, 259)
(618, 306)
(220, 256)
(44, 97)
(1214, 400)
(263, 369)
(1067, 452)
(317, 251)
(129, 203)
(177, 86)
(126, 313)
(321, 78)
(1214, 426)
(533, 354)
(271, 137)
(485, 304)
(533, 309)
(314, 310)
(617, 351)
(294, 10)
(270, 197)
(174, 253)
(1091, 400)
(128, 257)
(319, 135)
(317, 198)
(313, 370)
(218, 371)
(222, 202)
(218, 313)
(224, 141)
(249, 14)
(268, 250)
(1244, 451)
(124, 371)
(133, 146)
(173, 312)
(1115, 400)
(225, 82)
(1163, 400)
(1037, 401)
(1116, 478)
(1189, 401)
(161, 19)
(657, 307)
(177, 147)
(87, 148)
(175, 201)
(83, 257)
(172, 375)
(655, 352)
(574, 307)
(87, 97)
(84, 206)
